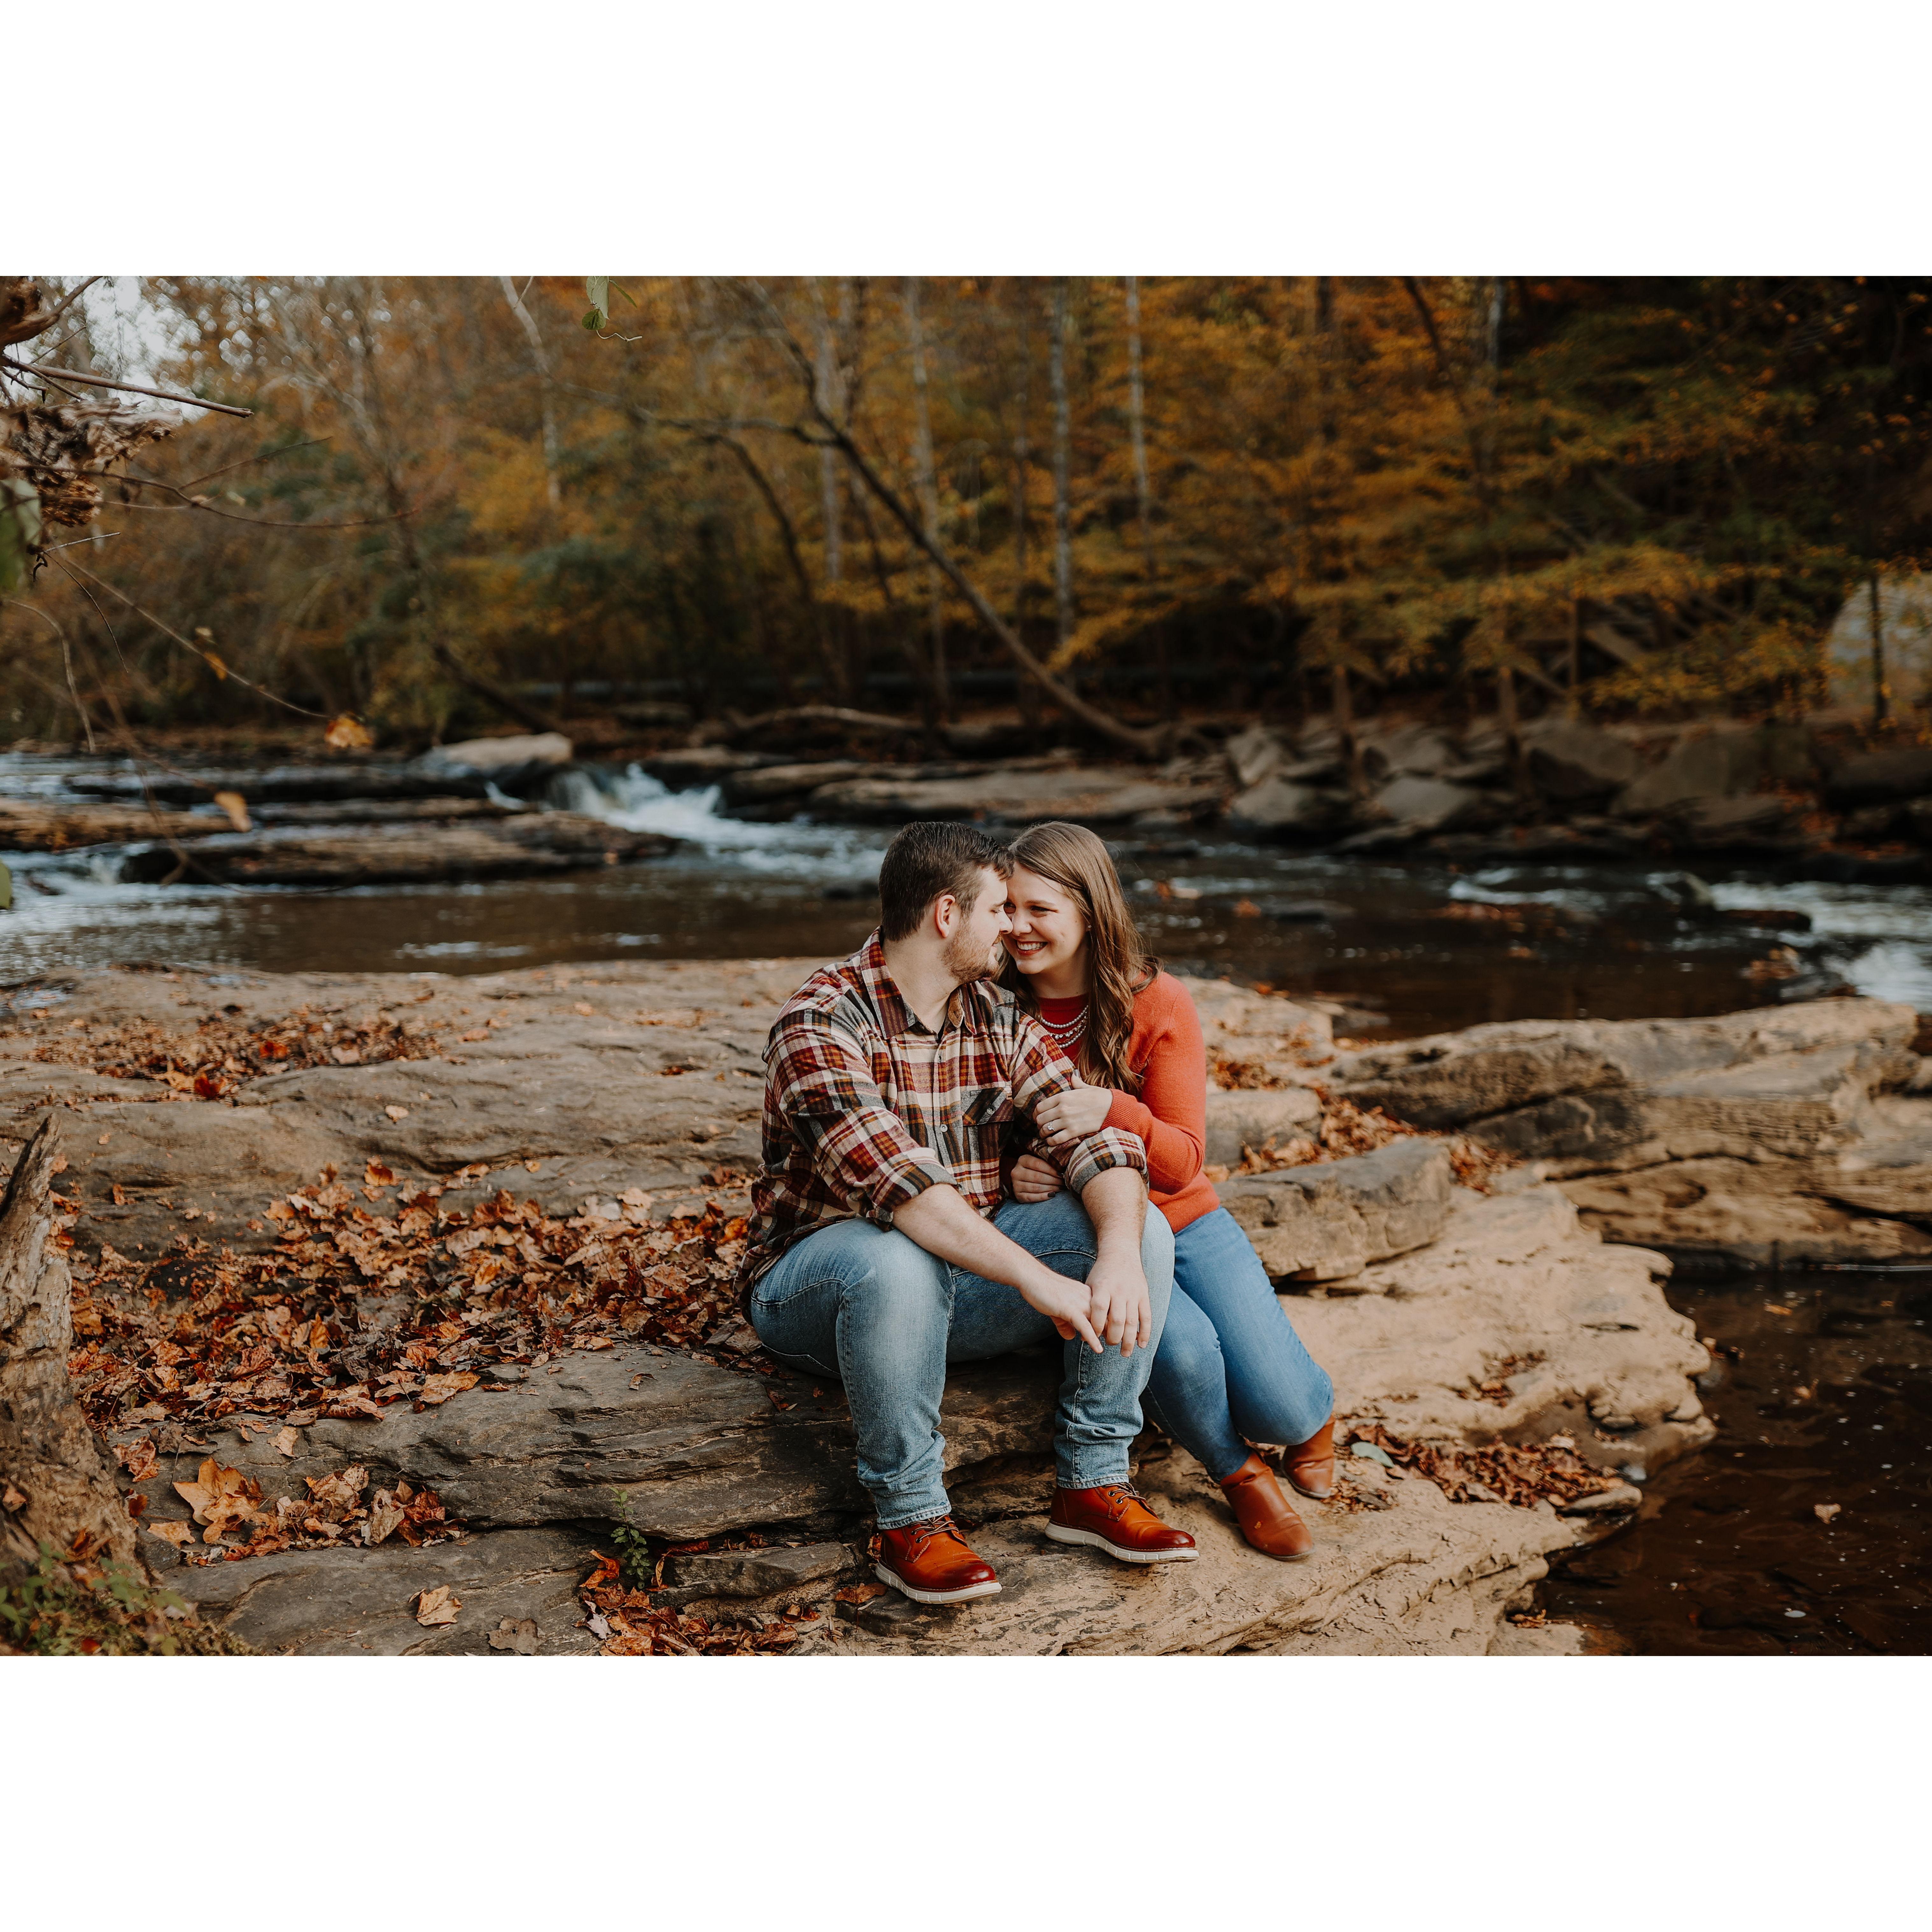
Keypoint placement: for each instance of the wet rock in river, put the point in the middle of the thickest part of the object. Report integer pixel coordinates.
(1575, 763)
(511, 764)
(1089, 795)
(1280, 808)
(541, 844)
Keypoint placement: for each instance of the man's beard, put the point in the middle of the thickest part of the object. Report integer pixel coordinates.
(967, 962)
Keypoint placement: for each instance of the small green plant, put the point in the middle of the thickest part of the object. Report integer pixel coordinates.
(54, 1610)
(633, 1547)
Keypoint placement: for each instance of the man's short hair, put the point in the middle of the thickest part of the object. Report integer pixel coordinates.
(931, 856)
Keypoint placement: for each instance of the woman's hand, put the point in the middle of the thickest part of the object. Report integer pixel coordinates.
(1035, 1179)
(1074, 1114)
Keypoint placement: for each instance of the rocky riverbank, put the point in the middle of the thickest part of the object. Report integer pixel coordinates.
(409, 1284)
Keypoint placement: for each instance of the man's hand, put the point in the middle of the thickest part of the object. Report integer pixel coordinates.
(1066, 1304)
(1073, 1114)
(1117, 1304)
(1035, 1179)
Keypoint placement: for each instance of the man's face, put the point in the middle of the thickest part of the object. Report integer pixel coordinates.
(973, 949)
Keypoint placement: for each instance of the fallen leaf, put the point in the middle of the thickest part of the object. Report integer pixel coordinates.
(858, 1593)
(1803, 1394)
(386, 1513)
(348, 733)
(436, 1607)
(606, 1572)
(178, 1533)
(598, 1627)
(11, 1498)
(286, 1441)
(137, 1459)
(221, 1499)
(1776, 1308)
(519, 1636)
(378, 1173)
(533, 1166)
(438, 1389)
(236, 807)
(1824, 1512)
(397, 1113)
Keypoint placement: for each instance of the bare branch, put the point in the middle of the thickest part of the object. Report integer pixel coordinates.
(102, 382)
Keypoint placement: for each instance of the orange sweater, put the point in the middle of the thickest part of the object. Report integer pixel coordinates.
(1170, 1114)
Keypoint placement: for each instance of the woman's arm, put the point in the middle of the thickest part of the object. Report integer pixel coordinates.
(1170, 1114)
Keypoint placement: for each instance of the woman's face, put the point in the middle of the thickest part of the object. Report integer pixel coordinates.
(1047, 930)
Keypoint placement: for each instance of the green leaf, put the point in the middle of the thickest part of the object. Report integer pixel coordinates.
(594, 321)
(19, 530)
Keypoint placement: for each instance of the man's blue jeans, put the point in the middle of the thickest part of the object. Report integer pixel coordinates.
(872, 1306)
(1231, 1370)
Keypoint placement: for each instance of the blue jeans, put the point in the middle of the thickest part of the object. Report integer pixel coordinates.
(1231, 1365)
(872, 1306)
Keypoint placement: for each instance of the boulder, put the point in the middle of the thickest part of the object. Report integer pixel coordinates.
(1571, 762)
(1257, 1118)
(1712, 765)
(1256, 754)
(511, 764)
(1426, 804)
(1418, 751)
(1278, 808)
(1765, 822)
(1328, 1221)
(1875, 777)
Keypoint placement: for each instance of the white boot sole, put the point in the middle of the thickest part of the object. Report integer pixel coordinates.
(905, 1589)
(1114, 1550)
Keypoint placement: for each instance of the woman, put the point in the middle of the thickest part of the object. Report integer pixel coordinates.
(1230, 1370)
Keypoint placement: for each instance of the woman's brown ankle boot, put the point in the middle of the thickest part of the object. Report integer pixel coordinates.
(1267, 1517)
(1310, 1465)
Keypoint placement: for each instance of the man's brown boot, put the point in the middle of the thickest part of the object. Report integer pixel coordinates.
(1267, 1517)
(932, 1563)
(1310, 1465)
(1112, 1518)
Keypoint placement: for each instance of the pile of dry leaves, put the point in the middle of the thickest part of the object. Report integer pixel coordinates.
(356, 1309)
(1551, 1472)
(1347, 1129)
(622, 1620)
(222, 1054)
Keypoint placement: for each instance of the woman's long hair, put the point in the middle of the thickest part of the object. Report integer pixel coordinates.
(1117, 965)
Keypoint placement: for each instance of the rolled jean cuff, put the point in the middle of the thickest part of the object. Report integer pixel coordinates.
(896, 1516)
(1090, 1468)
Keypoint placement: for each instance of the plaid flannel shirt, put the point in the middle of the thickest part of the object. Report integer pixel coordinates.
(847, 1130)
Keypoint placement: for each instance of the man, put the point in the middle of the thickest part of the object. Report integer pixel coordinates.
(881, 1249)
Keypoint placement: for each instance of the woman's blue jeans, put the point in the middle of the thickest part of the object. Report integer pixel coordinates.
(1231, 1366)
(872, 1306)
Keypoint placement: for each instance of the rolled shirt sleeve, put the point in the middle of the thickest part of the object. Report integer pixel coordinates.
(1039, 1070)
(822, 1083)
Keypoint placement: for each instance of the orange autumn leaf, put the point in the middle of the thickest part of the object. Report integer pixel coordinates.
(436, 1607)
(348, 733)
(221, 1499)
(438, 1389)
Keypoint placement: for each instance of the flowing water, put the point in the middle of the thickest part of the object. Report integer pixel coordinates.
(1729, 1554)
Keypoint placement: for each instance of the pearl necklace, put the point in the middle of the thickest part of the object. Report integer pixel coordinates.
(1068, 1032)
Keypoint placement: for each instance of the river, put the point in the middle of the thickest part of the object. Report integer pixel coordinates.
(1729, 1554)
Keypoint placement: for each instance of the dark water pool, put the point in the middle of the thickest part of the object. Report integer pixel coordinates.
(1823, 1400)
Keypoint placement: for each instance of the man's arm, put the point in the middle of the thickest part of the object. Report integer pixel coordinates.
(939, 1221)
(1118, 1303)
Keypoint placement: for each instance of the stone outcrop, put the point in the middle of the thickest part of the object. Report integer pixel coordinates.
(1014, 794)
(1328, 1221)
(1509, 1322)
(509, 764)
(1780, 1135)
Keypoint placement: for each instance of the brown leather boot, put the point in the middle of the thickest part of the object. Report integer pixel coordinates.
(1267, 1517)
(932, 1563)
(1112, 1518)
(1310, 1465)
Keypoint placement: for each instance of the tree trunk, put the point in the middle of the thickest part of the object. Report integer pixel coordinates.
(832, 387)
(1062, 441)
(55, 1487)
(926, 471)
(552, 475)
(1344, 727)
(1143, 488)
(1881, 690)
(1022, 449)
(1572, 704)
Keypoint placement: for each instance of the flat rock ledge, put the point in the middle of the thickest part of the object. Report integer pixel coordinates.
(1799, 1135)
(682, 1450)
(1445, 1316)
